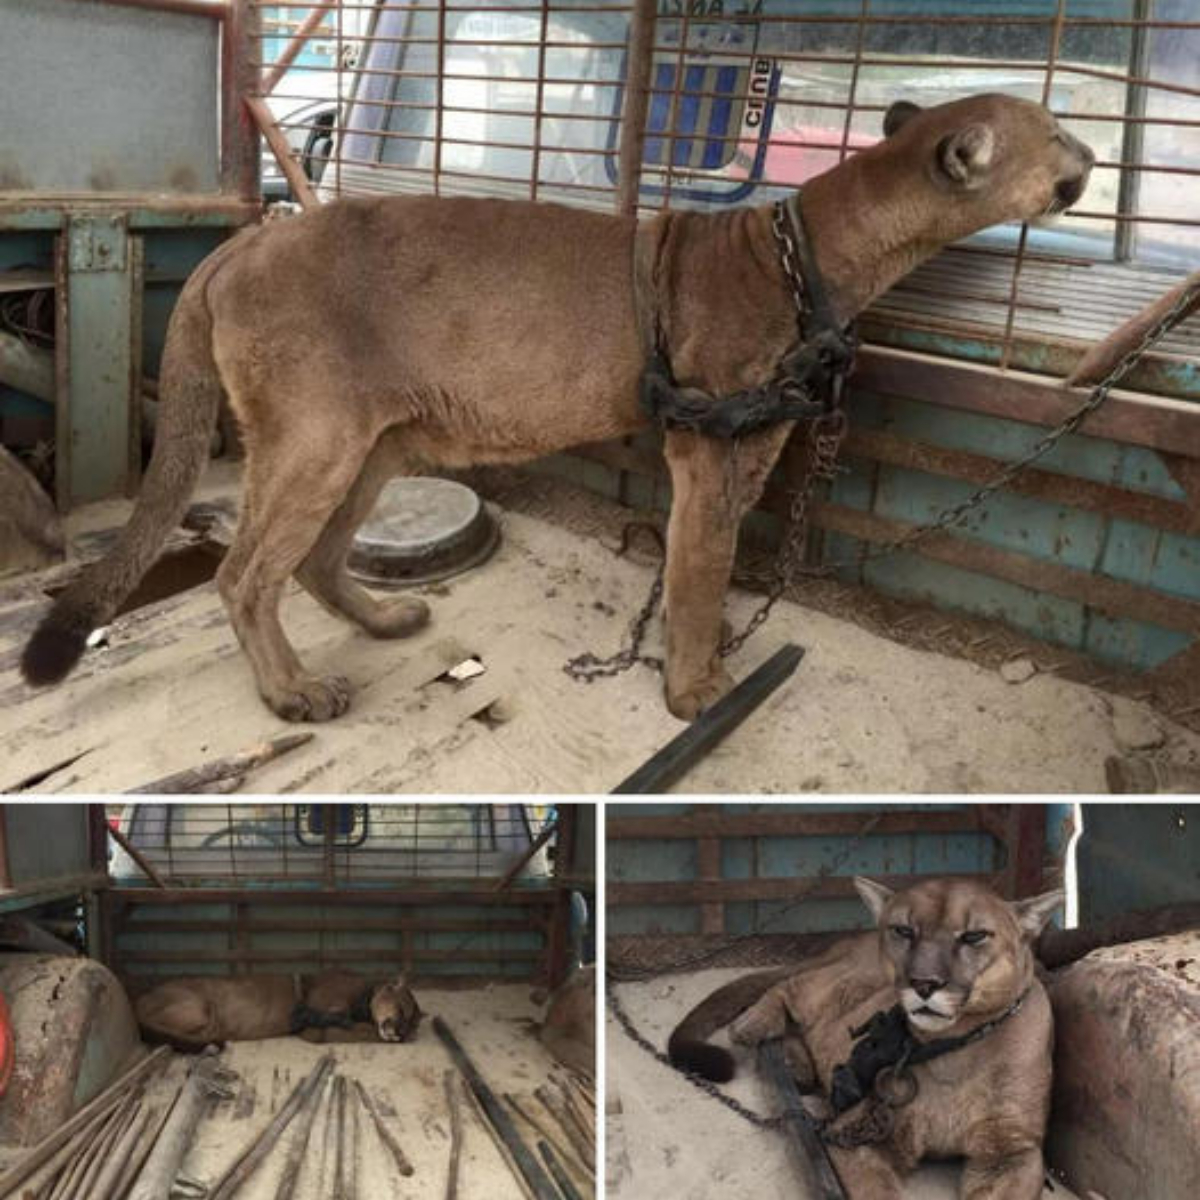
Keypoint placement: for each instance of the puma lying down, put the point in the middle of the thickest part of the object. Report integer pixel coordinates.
(373, 337)
(192, 1013)
(938, 1011)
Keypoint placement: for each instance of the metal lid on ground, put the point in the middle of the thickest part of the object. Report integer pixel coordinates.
(422, 530)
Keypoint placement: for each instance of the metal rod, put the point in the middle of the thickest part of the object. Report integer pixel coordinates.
(385, 1134)
(714, 724)
(808, 1150)
(259, 1147)
(558, 1173)
(292, 50)
(217, 10)
(539, 1182)
(47, 1147)
(563, 1148)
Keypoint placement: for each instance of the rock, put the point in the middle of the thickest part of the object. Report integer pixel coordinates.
(1126, 1103)
(1018, 670)
(1136, 729)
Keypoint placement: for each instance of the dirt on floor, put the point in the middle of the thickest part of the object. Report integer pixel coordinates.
(667, 1137)
(169, 689)
(406, 1082)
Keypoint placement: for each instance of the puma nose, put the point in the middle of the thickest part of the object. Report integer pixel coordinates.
(926, 987)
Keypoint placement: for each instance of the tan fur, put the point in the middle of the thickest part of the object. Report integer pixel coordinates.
(198, 1011)
(371, 337)
(569, 1028)
(986, 1102)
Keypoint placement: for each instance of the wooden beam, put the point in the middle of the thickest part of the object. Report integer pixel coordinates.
(1132, 417)
(731, 891)
(317, 954)
(371, 897)
(138, 857)
(724, 824)
(299, 40)
(350, 924)
(1114, 597)
(278, 145)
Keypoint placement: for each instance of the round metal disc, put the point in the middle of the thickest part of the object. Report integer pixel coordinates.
(422, 530)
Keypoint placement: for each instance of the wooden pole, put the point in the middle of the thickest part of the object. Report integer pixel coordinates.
(292, 50)
(265, 120)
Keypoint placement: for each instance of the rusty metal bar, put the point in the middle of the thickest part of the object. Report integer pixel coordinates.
(297, 180)
(636, 104)
(218, 10)
(241, 161)
(299, 40)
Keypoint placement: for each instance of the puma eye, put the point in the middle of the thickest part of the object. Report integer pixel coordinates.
(974, 936)
(907, 932)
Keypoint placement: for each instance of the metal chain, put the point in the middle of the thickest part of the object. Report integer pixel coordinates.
(823, 451)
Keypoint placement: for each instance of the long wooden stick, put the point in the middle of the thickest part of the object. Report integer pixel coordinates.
(1103, 356)
(561, 1147)
(548, 831)
(195, 779)
(296, 1151)
(558, 1172)
(501, 1147)
(385, 1134)
(249, 1160)
(450, 1086)
(138, 857)
(292, 50)
(578, 1137)
(292, 171)
(46, 1148)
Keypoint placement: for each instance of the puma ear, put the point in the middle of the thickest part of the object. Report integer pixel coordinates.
(874, 895)
(899, 114)
(1033, 913)
(965, 157)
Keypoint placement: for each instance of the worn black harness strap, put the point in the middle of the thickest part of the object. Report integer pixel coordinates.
(303, 1017)
(808, 380)
(886, 1042)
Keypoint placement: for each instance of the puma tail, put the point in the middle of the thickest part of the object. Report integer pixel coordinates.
(191, 395)
(688, 1048)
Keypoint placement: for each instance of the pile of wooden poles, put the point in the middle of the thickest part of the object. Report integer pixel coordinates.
(120, 1146)
(560, 1117)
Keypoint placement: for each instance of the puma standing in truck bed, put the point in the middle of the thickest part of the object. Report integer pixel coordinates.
(458, 331)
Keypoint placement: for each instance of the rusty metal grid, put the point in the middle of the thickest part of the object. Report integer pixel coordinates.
(333, 845)
(645, 105)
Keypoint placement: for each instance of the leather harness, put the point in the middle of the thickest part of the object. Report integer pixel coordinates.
(808, 380)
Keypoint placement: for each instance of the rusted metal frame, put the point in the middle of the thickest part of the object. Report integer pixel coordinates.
(144, 865)
(538, 103)
(1133, 138)
(97, 829)
(635, 107)
(481, 895)
(855, 71)
(329, 845)
(1172, 426)
(277, 143)
(567, 841)
(1103, 498)
(217, 10)
(341, 95)
(440, 114)
(1025, 841)
(348, 925)
(302, 953)
(506, 880)
(554, 956)
(708, 868)
(477, 176)
(1006, 343)
(54, 889)
(706, 821)
(740, 891)
(5, 866)
(1113, 597)
(241, 162)
(675, 92)
(292, 50)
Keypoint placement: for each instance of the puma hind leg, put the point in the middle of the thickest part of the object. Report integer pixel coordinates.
(323, 572)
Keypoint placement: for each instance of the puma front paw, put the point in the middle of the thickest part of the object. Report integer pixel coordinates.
(312, 698)
(687, 703)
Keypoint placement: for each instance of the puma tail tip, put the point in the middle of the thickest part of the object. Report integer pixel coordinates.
(56, 646)
(699, 1058)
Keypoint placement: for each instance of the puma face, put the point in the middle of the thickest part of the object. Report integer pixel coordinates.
(996, 158)
(395, 1011)
(955, 948)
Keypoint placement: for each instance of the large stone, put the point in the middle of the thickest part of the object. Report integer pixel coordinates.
(74, 1032)
(1126, 1111)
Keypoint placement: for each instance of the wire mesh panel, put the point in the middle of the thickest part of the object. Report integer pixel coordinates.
(333, 844)
(747, 99)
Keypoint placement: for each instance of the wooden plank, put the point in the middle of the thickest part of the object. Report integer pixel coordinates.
(732, 891)
(725, 824)
(1134, 418)
(513, 898)
(352, 924)
(1113, 597)
(1052, 487)
(317, 954)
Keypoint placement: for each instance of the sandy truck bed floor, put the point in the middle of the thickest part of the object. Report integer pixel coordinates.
(406, 1081)
(669, 1138)
(862, 713)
